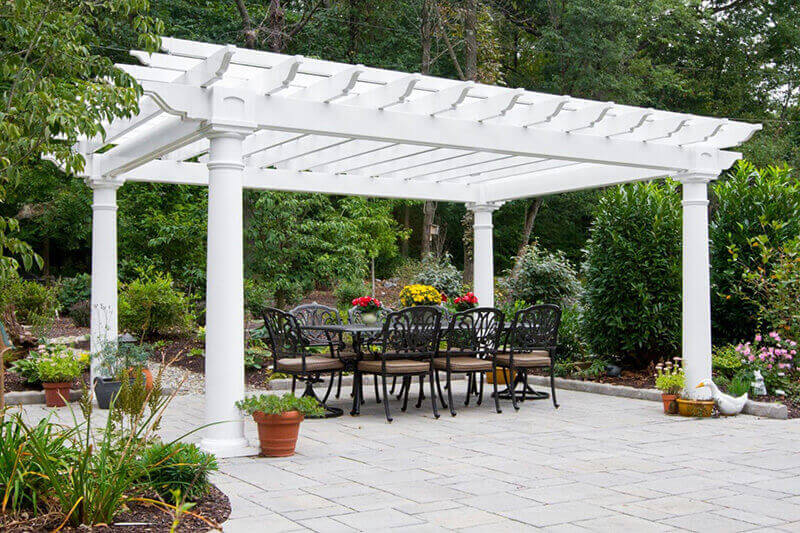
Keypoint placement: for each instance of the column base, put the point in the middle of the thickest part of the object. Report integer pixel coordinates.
(227, 448)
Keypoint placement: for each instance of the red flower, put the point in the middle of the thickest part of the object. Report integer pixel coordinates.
(444, 297)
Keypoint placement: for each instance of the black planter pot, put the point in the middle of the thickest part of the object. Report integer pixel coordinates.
(105, 390)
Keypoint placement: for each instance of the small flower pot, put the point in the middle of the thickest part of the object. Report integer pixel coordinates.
(670, 404)
(369, 319)
(695, 408)
(277, 434)
(499, 376)
(56, 394)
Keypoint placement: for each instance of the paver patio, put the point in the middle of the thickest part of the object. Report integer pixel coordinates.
(599, 463)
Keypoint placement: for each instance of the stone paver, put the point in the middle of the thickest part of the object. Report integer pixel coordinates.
(598, 463)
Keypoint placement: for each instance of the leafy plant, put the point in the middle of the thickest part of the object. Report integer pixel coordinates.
(571, 342)
(740, 384)
(726, 361)
(441, 274)
(29, 299)
(60, 364)
(26, 368)
(152, 304)
(348, 290)
(670, 380)
(542, 277)
(117, 358)
(271, 404)
(254, 358)
(257, 297)
(177, 466)
(74, 290)
(632, 288)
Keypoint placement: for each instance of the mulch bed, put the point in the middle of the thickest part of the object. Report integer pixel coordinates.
(64, 327)
(214, 507)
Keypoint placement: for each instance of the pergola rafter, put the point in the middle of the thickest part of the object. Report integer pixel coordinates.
(230, 118)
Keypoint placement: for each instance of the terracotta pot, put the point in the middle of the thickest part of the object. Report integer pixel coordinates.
(498, 375)
(696, 408)
(670, 406)
(277, 434)
(56, 394)
(148, 379)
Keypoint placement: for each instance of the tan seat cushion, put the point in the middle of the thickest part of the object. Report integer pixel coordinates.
(463, 364)
(526, 359)
(314, 363)
(395, 366)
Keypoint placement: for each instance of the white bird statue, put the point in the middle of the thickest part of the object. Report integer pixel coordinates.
(727, 404)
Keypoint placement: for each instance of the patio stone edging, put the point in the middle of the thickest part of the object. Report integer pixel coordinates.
(762, 409)
(29, 397)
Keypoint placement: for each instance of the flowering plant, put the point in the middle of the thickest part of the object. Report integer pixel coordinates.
(420, 295)
(467, 301)
(59, 364)
(670, 378)
(770, 353)
(368, 304)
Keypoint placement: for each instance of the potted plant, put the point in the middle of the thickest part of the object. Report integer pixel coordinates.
(57, 369)
(118, 362)
(369, 309)
(421, 295)
(278, 419)
(670, 380)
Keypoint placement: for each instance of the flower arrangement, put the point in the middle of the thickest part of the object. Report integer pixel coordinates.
(60, 364)
(420, 295)
(770, 353)
(467, 301)
(368, 304)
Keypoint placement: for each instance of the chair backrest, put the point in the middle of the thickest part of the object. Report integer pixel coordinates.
(535, 327)
(474, 332)
(411, 332)
(355, 312)
(315, 314)
(285, 336)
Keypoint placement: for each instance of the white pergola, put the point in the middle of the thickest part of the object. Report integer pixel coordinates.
(230, 118)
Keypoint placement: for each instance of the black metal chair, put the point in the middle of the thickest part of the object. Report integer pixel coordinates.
(354, 317)
(471, 341)
(290, 354)
(531, 343)
(408, 341)
(315, 314)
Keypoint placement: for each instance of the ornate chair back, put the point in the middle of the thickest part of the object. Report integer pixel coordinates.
(285, 336)
(474, 332)
(315, 314)
(535, 328)
(412, 332)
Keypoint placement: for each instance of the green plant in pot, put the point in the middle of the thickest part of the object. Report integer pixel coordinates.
(278, 419)
(118, 362)
(670, 380)
(58, 367)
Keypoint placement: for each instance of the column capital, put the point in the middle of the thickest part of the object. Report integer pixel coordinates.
(483, 207)
(696, 176)
(223, 129)
(99, 183)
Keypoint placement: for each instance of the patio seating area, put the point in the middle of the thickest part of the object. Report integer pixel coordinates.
(597, 463)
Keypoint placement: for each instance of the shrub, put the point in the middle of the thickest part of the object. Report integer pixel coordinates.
(74, 290)
(441, 274)
(542, 277)
(749, 202)
(348, 290)
(81, 313)
(178, 466)
(632, 288)
(270, 404)
(571, 344)
(31, 300)
(257, 297)
(116, 359)
(726, 361)
(151, 304)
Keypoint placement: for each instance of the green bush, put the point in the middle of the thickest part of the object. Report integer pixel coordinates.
(81, 313)
(32, 301)
(726, 361)
(271, 404)
(152, 304)
(748, 202)
(27, 368)
(74, 290)
(542, 277)
(348, 290)
(440, 273)
(178, 466)
(257, 297)
(632, 288)
(571, 344)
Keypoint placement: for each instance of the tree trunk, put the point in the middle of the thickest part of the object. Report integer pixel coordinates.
(530, 217)
(471, 73)
(247, 25)
(426, 38)
(276, 24)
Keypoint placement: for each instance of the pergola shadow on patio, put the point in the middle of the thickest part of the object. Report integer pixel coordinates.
(230, 118)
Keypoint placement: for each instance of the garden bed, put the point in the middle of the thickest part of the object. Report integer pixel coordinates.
(214, 507)
(15, 383)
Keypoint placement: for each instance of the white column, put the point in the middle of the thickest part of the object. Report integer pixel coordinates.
(224, 296)
(483, 251)
(696, 283)
(104, 269)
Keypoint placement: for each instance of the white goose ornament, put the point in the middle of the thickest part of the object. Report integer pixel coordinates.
(727, 404)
